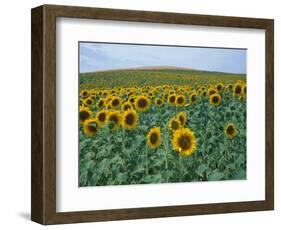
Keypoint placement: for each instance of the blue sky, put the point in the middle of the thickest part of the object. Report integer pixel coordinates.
(105, 56)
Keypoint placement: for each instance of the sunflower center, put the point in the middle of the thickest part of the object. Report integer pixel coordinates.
(184, 142)
(126, 107)
(238, 89)
(100, 103)
(153, 138)
(175, 125)
(101, 117)
(158, 102)
(211, 91)
(193, 98)
(84, 115)
(172, 99)
(92, 127)
(219, 87)
(132, 100)
(114, 119)
(129, 119)
(180, 100)
(215, 99)
(230, 130)
(115, 102)
(89, 102)
(142, 103)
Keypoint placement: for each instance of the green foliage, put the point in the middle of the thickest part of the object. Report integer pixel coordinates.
(112, 158)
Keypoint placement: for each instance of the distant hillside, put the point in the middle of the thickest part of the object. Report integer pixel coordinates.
(145, 68)
(152, 68)
(155, 75)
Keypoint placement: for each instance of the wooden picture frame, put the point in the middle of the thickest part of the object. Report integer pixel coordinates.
(43, 207)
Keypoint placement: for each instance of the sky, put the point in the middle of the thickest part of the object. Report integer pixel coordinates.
(107, 56)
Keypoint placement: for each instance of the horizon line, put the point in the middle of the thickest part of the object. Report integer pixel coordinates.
(139, 68)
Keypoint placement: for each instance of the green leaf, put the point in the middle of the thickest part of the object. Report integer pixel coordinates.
(94, 180)
(153, 178)
(241, 159)
(83, 178)
(201, 169)
(121, 178)
(157, 162)
(216, 176)
(231, 166)
(101, 154)
(240, 175)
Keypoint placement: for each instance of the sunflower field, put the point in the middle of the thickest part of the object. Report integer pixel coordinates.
(161, 126)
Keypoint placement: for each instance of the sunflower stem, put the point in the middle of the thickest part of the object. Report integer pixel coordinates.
(166, 156)
(165, 141)
(146, 160)
(166, 153)
(180, 168)
(123, 148)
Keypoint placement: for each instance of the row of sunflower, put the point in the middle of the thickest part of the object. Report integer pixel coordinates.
(139, 78)
(142, 98)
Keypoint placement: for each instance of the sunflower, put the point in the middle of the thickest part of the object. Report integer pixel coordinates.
(102, 117)
(114, 119)
(101, 103)
(85, 93)
(184, 142)
(115, 102)
(154, 137)
(172, 99)
(237, 91)
(132, 100)
(84, 114)
(215, 99)
(150, 94)
(159, 101)
(126, 106)
(182, 118)
(211, 91)
(90, 127)
(180, 100)
(230, 131)
(174, 124)
(93, 97)
(193, 98)
(142, 103)
(230, 86)
(219, 87)
(89, 102)
(130, 119)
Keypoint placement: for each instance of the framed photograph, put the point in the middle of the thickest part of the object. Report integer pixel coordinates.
(140, 114)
